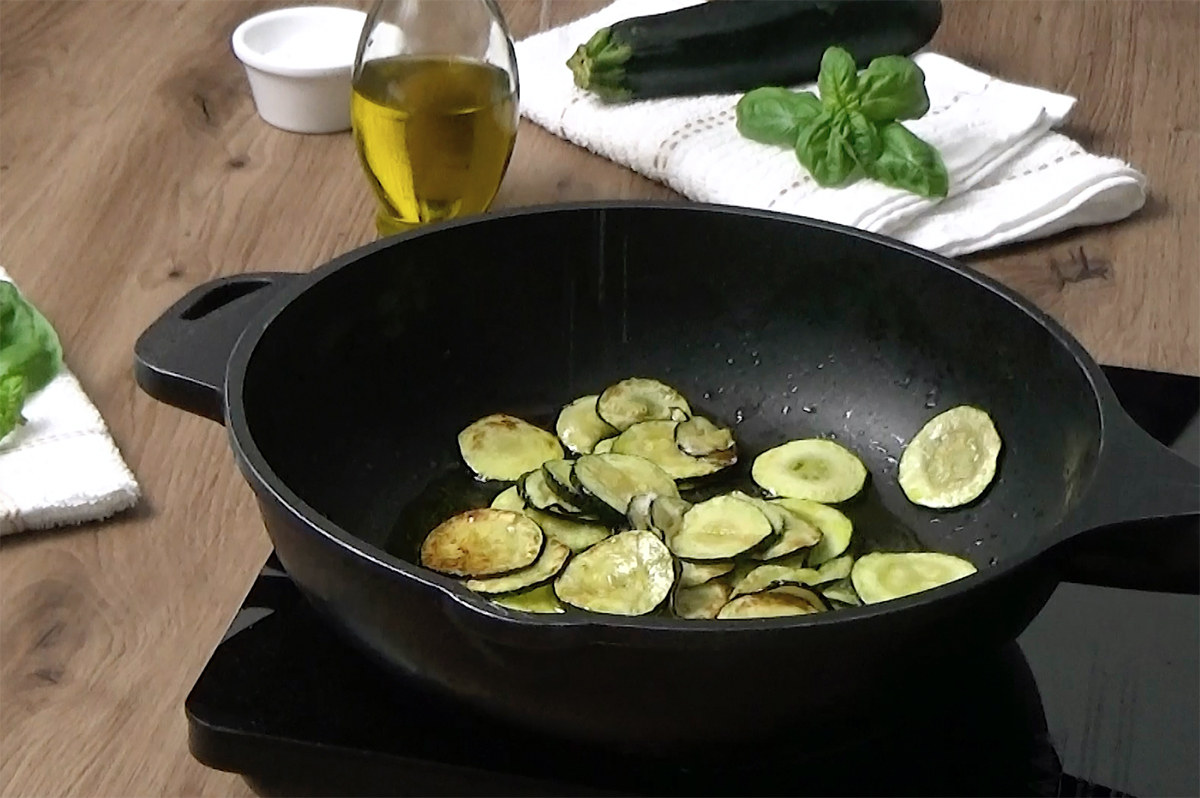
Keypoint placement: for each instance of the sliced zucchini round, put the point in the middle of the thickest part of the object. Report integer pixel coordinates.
(776, 603)
(720, 528)
(558, 478)
(604, 446)
(692, 574)
(536, 491)
(702, 601)
(614, 479)
(508, 499)
(841, 591)
(575, 534)
(833, 570)
(638, 399)
(765, 577)
(952, 460)
(834, 526)
(883, 576)
(485, 542)
(699, 437)
(666, 514)
(792, 533)
(631, 573)
(655, 441)
(504, 447)
(554, 555)
(579, 428)
(540, 599)
(815, 469)
(638, 513)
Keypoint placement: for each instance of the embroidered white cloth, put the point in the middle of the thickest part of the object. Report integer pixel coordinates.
(62, 466)
(1011, 177)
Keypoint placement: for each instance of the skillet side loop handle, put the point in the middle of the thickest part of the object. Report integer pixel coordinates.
(180, 359)
(1139, 527)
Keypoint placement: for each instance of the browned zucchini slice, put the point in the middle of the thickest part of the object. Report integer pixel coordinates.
(579, 428)
(638, 399)
(720, 528)
(485, 542)
(631, 573)
(702, 601)
(504, 447)
(776, 603)
(554, 555)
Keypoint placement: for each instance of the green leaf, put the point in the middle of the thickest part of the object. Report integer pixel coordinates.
(30, 353)
(865, 143)
(12, 398)
(909, 163)
(838, 78)
(892, 87)
(772, 115)
(825, 150)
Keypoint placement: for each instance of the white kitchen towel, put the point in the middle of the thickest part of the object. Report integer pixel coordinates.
(1011, 178)
(61, 467)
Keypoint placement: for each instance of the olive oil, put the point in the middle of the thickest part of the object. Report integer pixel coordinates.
(434, 135)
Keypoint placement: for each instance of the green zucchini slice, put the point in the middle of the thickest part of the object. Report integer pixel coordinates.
(720, 528)
(614, 479)
(508, 499)
(666, 514)
(841, 591)
(833, 570)
(815, 469)
(631, 573)
(536, 491)
(702, 601)
(655, 441)
(765, 577)
(577, 535)
(952, 460)
(638, 399)
(792, 533)
(883, 576)
(579, 428)
(638, 513)
(604, 446)
(699, 437)
(540, 599)
(777, 603)
(504, 447)
(692, 574)
(485, 542)
(834, 526)
(558, 478)
(554, 555)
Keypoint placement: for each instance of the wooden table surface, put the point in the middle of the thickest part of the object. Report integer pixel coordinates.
(133, 167)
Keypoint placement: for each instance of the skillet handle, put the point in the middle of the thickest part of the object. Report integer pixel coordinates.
(1139, 525)
(180, 359)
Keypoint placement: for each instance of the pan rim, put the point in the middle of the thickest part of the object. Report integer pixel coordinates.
(264, 479)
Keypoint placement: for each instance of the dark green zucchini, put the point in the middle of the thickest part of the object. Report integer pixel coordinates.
(726, 46)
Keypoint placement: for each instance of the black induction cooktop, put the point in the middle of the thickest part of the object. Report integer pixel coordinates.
(1100, 696)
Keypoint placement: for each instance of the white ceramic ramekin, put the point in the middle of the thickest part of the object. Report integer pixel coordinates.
(298, 62)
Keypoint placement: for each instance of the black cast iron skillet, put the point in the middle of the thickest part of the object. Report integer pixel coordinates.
(343, 391)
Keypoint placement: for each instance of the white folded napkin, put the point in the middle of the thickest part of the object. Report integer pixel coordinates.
(1011, 178)
(61, 467)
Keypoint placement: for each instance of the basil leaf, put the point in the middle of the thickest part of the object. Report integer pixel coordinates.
(908, 163)
(824, 149)
(865, 144)
(892, 87)
(838, 78)
(772, 115)
(30, 354)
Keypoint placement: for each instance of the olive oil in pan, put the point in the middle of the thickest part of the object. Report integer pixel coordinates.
(434, 135)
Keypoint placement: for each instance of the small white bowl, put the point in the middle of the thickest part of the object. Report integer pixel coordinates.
(298, 62)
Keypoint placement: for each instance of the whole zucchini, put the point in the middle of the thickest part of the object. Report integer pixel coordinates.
(726, 46)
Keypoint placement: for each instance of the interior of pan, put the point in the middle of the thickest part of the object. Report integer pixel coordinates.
(356, 391)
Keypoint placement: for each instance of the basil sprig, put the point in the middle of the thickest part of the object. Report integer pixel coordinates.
(854, 128)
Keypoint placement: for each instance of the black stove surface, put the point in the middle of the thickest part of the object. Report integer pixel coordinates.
(1100, 697)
